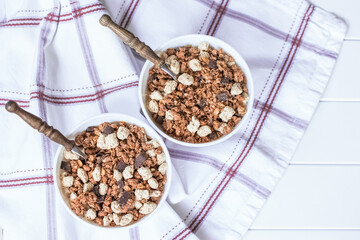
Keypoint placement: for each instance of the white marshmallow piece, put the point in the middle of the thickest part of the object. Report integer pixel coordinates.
(155, 193)
(226, 113)
(154, 142)
(82, 175)
(169, 59)
(116, 218)
(203, 46)
(107, 219)
(153, 106)
(204, 131)
(90, 214)
(145, 173)
(246, 98)
(169, 115)
(156, 95)
(68, 181)
(73, 196)
(128, 172)
(115, 207)
(122, 133)
(195, 65)
(230, 64)
(141, 194)
(204, 54)
(117, 175)
(151, 153)
(126, 219)
(221, 128)
(97, 174)
(153, 183)
(137, 204)
(175, 66)
(160, 158)
(236, 89)
(88, 187)
(162, 168)
(70, 155)
(107, 142)
(147, 208)
(103, 187)
(194, 125)
(170, 86)
(186, 79)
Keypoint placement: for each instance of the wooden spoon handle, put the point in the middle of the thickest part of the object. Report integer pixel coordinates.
(129, 39)
(36, 123)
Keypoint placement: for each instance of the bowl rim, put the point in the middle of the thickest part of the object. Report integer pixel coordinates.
(120, 117)
(234, 54)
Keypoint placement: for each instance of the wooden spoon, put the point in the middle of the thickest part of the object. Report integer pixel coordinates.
(49, 131)
(140, 47)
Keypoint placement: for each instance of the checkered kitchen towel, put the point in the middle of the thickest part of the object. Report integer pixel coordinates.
(59, 63)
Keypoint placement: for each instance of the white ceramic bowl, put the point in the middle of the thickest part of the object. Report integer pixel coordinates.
(195, 39)
(109, 117)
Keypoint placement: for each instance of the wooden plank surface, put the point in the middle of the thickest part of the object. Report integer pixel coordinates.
(345, 81)
(333, 135)
(302, 235)
(314, 197)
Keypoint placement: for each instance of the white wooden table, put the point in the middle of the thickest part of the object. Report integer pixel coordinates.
(319, 195)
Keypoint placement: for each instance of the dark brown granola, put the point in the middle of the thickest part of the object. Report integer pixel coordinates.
(208, 99)
(122, 179)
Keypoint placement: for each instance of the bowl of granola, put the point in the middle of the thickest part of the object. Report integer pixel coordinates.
(125, 178)
(210, 99)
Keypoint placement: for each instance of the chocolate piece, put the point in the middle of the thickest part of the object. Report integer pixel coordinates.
(120, 184)
(100, 199)
(202, 103)
(212, 64)
(124, 198)
(100, 159)
(96, 190)
(140, 160)
(153, 77)
(201, 79)
(212, 135)
(159, 119)
(65, 166)
(108, 130)
(90, 129)
(238, 115)
(121, 166)
(169, 106)
(225, 80)
(221, 97)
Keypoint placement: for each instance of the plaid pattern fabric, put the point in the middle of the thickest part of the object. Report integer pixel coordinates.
(58, 62)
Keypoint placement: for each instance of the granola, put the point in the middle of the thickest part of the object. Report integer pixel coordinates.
(119, 182)
(206, 101)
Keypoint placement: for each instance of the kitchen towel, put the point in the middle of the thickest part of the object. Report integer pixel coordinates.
(59, 63)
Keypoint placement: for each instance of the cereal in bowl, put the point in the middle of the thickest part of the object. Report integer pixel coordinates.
(122, 179)
(206, 101)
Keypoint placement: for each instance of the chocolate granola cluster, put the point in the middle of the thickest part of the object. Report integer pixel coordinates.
(206, 101)
(122, 179)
